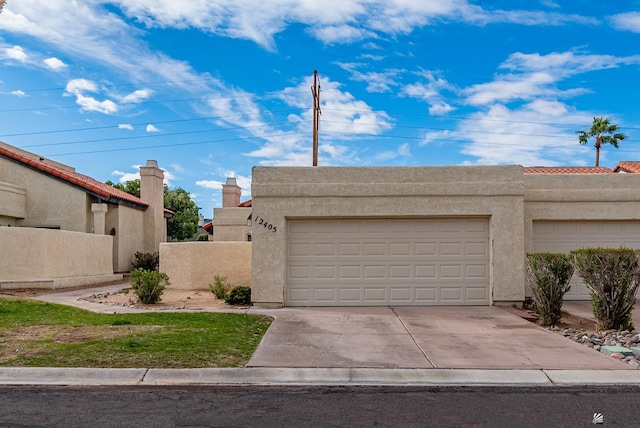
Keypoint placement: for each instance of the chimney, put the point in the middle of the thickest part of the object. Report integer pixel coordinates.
(152, 192)
(230, 194)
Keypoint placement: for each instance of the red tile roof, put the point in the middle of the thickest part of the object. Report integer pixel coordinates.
(208, 226)
(246, 204)
(567, 170)
(628, 166)
(100, 190)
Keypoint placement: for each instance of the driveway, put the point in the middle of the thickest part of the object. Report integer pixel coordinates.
(472, 337)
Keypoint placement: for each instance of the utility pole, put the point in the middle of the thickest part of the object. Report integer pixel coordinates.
(315, 91)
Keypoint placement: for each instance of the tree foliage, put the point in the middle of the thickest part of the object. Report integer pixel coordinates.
(613, 276)
(132, 187)
(184, 224)
(548, 275)
(604, 132)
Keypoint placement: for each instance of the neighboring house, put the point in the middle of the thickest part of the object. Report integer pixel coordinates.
(38, 193)
(393, 236)
(632, 167)
(232, 222)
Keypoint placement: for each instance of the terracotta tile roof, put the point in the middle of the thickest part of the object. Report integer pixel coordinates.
(208, 226)
(100, 190)
(567, 170)
(628, 166)
(246, 204)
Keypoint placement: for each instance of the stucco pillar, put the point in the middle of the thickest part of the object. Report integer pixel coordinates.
(230, 194)
(152, 192)
(99, 218)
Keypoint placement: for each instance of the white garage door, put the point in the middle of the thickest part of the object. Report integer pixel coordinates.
(565, 236)
(382, 262)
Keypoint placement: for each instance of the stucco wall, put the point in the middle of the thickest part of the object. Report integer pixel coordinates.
(230, 224)
(280, 193)
(48, 202)
(193, 265)
(29, 254)
(12, 201)
(579, 197)
(129, 237)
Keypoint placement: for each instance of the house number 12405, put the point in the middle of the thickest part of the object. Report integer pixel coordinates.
(259, 221)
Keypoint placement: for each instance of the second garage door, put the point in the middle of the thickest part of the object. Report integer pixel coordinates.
(382, 262)
(566, 236)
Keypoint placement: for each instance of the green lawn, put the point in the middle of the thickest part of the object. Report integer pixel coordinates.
(38, 334)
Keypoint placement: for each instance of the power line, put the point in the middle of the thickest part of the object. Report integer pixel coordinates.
(124, 149)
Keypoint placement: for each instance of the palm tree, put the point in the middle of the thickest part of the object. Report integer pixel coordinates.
(604, 132)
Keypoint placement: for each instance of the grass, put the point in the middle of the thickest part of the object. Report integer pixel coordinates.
(39, 334)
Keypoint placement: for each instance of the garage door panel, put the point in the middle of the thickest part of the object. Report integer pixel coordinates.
(388, 262)
(566, 236)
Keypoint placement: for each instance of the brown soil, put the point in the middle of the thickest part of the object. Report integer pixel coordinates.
(171, 299)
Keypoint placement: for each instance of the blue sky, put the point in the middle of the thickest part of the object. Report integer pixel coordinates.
(210, 89)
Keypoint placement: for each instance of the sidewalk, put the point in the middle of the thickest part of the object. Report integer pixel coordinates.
(476, 346)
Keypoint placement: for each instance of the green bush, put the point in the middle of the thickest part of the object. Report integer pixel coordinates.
(220, 287)
(146, 261)
(612, 276)
(240, 295)
(548, 275)
(148, 284)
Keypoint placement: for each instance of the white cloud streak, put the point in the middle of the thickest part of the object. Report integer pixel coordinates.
(55, 64)
(79, 88)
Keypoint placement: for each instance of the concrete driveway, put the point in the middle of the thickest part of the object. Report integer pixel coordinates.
(472, 337)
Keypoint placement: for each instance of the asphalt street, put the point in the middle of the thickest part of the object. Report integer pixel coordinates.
(199, 406)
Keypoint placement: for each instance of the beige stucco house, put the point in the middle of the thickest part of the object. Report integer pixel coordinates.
(348, 236)
(232, 222)
(62, 228)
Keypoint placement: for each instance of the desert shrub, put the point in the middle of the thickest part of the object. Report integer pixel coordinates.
(548, 275)
(148, 284)
(612, 276)
(146, 261)
(220, 287)
(240, 295)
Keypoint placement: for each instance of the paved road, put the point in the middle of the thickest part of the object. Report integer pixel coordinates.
(315, 406)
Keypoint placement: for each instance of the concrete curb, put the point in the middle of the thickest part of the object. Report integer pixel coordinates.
(69, 376)
(315, 377)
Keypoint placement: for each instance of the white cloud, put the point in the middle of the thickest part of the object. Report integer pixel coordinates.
(127, 176)
(18, 93)
(168, 177)
(440, 108)
(550, 3)
(331, 21)
(55, 64)
(125, 126)
(130, 176)
(403, 150)
(78, 88)
(431, 92)
(535, 75)
(17, 53)
(377, 82)
(137, 96)
(343, 118)
(151, 128)
(629, 21)
(210, 184)
(540, 132)
(178, 167)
